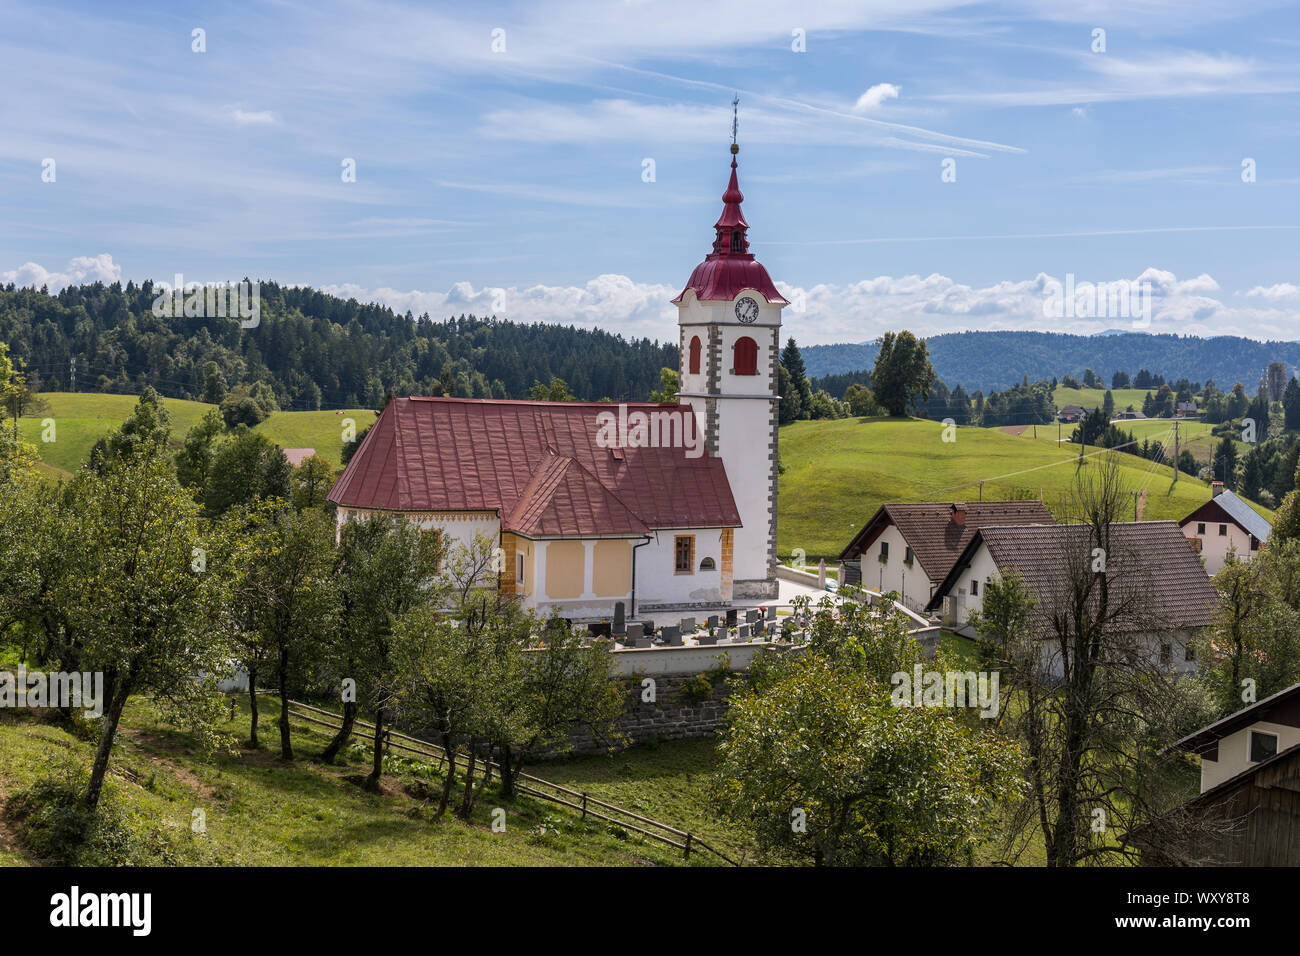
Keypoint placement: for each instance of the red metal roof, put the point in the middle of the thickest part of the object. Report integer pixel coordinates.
(723, 273)
(536, 463)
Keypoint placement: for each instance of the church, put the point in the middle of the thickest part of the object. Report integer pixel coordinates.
(588, 515)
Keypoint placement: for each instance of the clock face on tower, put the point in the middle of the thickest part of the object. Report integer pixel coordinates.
(746, 310)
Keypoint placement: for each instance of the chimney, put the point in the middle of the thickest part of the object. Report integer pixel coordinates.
(1216, 489)
(958, 514)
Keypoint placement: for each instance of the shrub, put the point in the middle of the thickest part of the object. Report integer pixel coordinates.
(56, 826)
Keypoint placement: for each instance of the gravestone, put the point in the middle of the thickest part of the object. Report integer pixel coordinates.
(672, 635)
(713, 620)
(743, 632)
(688, 625)
(708, 640)
(620, 620)
(771, 612)
(731, 617)
(751, 616)
(821, 575)
(634, 632)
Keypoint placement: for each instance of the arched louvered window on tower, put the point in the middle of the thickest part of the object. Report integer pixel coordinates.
(695, 356)
(745, 356)
(737, 241)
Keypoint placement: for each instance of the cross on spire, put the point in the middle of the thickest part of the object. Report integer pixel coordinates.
(735, 122)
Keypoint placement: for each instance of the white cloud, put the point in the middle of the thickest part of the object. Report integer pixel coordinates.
(252, 117)
(1274, 293)
(819, 314)
(100, 268)
(875, 96)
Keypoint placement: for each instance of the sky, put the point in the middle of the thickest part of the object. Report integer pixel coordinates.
(906, 164)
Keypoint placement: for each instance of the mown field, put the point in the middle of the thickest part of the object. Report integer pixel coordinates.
(1093, 397)
(837, 473)
(261, 811)
(82, 418)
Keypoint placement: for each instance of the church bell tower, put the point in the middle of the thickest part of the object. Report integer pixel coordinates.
(729, 317)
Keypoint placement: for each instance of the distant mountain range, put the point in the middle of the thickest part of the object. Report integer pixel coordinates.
(997, 360)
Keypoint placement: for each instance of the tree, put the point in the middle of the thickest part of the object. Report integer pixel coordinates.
(556, 391)
(1291, 405)
(1255, 633)
(145, 433)
(669, 385)
(819, 762)
(1119, 380)
(310, 482)
(146, 609)
(1108, 406)
(793, 362)
(862, 404)
(1087, 697)
(291, 598)
(1224, 463)
(902, 372)
(246, 467)
(386, 568)
(194, 460)
(214, 384)
(791, 406)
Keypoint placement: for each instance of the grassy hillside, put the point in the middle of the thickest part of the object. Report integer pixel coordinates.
(1093, 397)
(838, 472)
(82, 418)
(261, 811)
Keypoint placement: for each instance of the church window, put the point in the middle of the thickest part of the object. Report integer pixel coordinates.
(737, 241)
(684, 553)
(707, 565)
(745, 352)
(695, 355)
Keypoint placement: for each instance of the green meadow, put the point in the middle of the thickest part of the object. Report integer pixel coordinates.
(838, 472)
(82, 418)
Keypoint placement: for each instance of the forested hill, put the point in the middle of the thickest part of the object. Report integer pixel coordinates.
(314, 350)
(998, 360)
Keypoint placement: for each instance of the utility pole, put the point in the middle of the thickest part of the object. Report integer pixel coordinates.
(1135, 506)
(1175, 451)
(72, 373)
(981, 491)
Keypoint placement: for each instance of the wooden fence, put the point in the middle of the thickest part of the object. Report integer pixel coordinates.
(585, 804)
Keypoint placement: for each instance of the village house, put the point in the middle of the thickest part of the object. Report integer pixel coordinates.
(592, 504)
(1225, 525)
(1162, 596)
(1071, 413)
(910, 547)
(1248, 810)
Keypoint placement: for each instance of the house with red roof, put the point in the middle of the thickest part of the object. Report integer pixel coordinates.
(653, 505)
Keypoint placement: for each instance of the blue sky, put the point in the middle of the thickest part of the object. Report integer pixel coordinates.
(514, 179)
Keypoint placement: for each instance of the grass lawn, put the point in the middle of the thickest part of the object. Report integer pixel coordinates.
(82, 418)
(262, 811)
(668, 782)
(838, 472)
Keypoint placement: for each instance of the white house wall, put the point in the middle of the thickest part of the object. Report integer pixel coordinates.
(1215, 547)
(1234, 752)
(910, 581)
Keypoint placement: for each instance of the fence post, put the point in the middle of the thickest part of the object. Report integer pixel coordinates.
(584, 806)
(687, 847)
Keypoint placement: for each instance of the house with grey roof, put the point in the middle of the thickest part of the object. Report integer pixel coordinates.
(1225, 525)
(1155, 588)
